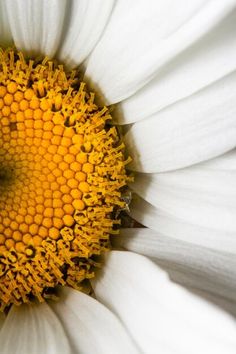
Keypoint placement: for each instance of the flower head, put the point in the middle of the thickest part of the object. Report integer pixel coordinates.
(167, 70)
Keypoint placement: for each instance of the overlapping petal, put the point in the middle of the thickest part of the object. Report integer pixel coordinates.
(160, 315)
(193, 130)
(90, 326)
(33, 329)
(198, 195)
(36, 26)
(206, 61)
(192, 264)
(192, 215)
(140, 40)
(83, 26)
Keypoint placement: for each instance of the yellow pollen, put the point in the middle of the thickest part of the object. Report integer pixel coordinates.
(61, 172)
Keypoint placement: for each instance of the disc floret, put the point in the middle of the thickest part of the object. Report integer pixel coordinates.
(62, 170)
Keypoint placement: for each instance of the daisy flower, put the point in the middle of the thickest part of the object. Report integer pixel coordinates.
(165, 71)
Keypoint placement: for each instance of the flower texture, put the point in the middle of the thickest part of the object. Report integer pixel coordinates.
(165, 71)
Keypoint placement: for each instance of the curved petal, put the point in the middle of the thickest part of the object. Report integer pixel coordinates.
(82, 29)
(199, 283)
(161, 316)
(226, 162)
(208, 60)
(33, 329)
(5, 31)
(36, 25)
(139, 40)
(90, 326)
(225, 304)
(168, 224)
(190, 131)
(197, 195)
(208, 269)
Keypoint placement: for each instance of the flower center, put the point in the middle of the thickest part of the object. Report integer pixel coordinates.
(61, 171)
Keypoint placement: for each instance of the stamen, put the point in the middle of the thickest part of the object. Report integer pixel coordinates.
(62, 169)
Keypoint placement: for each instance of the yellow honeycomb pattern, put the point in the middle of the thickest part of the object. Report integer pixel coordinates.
(61, 170)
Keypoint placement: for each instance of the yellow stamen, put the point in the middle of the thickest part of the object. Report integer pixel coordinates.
(61, 171)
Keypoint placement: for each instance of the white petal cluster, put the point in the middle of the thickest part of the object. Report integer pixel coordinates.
(169, 66)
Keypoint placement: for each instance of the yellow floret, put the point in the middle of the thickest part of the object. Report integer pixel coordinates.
(57, 190)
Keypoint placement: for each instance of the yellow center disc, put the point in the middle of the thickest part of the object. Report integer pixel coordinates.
(61, 170)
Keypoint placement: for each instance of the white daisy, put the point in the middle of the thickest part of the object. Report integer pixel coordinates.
(169, 69)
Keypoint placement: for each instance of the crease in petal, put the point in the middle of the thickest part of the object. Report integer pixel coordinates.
(205, 62)
(168, 224)
(36, 26)
(225, 162)
(90, 326)
(200, 283)
(207, 269)
(197, 195)
(138, 43)
(33, 329)
(196, 129)
(171, 319)
(227, 305)
(84, 26)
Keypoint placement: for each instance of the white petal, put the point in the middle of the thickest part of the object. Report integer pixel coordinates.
(225, 304)
(170, 225)
(33, 329)
(208, 60)
(36, 25)
(90, 326)
(224, 162)
(197, 195)
(5, 31)
(162, 317)
(206, 284)
(195, 129)
(139, 40)
(84, 25)
(208, 269)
